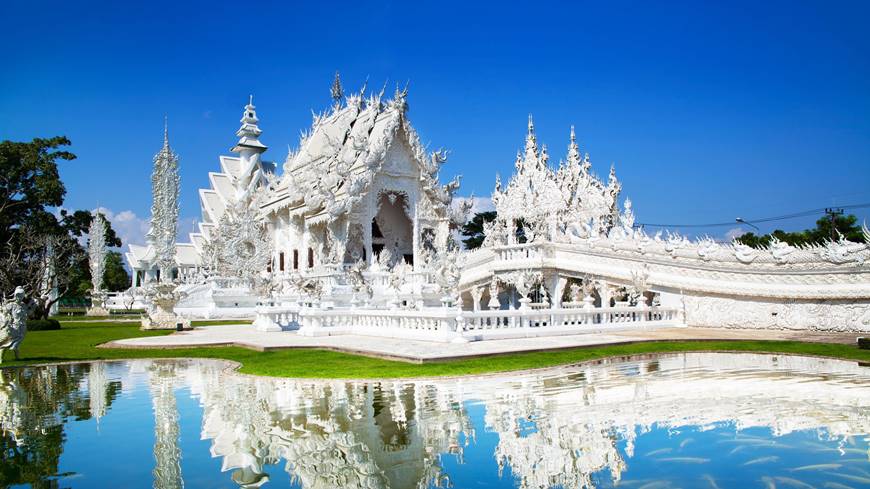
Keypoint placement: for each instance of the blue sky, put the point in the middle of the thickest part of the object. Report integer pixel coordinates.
(709, 111)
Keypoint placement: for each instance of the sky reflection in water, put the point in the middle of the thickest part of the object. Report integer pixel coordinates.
(688, 420)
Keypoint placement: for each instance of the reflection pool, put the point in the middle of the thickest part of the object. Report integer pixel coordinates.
(678, 420)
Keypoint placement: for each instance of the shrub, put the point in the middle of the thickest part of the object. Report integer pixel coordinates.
(42, 324)
(864, 343)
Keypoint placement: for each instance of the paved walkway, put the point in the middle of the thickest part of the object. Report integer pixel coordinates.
(425, 351)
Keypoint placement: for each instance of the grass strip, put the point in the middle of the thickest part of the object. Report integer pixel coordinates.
(78, 341)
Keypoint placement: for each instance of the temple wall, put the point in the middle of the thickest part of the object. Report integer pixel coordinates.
(807, 315)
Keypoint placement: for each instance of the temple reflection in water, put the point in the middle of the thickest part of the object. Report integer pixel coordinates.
(570, 427)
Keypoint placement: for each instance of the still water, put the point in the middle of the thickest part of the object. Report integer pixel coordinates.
(688, 420)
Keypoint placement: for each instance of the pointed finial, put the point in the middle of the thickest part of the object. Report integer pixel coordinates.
(165, 130)
(336, 91)
(573, 136)
(249, 132)
(531, 140)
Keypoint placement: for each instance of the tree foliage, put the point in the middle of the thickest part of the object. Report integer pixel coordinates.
(473, 229)
(41, 250)
(30, 182)
(845, 226)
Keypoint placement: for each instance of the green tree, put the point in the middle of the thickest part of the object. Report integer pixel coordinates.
(30, 182)
(116, 278)
(846, 226)
(473, 229)
(38, 248)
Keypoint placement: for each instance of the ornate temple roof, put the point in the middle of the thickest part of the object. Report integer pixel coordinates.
(337, 159)
(330, 170)
(571, 193)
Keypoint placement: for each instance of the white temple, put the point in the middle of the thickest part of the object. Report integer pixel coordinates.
(351, 234)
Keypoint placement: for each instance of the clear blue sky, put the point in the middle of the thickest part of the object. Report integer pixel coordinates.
(708, 111)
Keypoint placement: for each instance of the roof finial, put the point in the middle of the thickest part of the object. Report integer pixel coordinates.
(531, 140)
(165, 130)
(249, 132)
(573, 136)
(336, 91)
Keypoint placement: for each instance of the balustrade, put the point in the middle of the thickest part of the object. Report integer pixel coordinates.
(445, 324)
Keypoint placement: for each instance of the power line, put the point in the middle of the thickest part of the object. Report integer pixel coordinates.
(821, 210)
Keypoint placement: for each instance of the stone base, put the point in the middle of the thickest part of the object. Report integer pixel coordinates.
(164, 322)
(97, 311)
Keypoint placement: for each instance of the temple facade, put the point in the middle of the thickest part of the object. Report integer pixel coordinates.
(359, 190)
(351, 234)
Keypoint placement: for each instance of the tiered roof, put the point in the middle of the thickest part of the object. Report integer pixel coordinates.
(338, 158)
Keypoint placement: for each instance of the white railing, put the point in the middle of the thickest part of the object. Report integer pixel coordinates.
(277, 318)
(447, 324)
(595, 318)
(524, 251)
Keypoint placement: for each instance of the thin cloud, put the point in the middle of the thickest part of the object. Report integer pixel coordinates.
(734, 233)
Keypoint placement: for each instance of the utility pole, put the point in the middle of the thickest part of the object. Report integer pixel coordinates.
(833, 213)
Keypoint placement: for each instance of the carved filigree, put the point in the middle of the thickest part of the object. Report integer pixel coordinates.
(240, 246)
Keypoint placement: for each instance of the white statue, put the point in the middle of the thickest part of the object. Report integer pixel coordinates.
(13, 321)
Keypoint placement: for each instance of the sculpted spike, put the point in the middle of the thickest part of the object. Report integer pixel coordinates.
(336, 91)
(531, 141)
(573, 159)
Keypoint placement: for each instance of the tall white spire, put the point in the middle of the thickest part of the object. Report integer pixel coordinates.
(249, 149)
(165, 188)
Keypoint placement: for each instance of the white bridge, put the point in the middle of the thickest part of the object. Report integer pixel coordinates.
(783, 287)
(452, 325)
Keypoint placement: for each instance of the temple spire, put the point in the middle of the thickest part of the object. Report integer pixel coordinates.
(249, 132)
(573, 159)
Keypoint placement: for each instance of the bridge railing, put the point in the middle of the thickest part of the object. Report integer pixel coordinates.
(447, 324)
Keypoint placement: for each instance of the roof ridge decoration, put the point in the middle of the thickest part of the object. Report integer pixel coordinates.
(339, 156)
(532, 195)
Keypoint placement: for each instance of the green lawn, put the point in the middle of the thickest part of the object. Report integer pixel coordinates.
(78, 340)
(220, 322)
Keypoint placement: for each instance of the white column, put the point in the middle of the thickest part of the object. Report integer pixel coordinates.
(555, 287)
(603, 289)
(476, 294)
